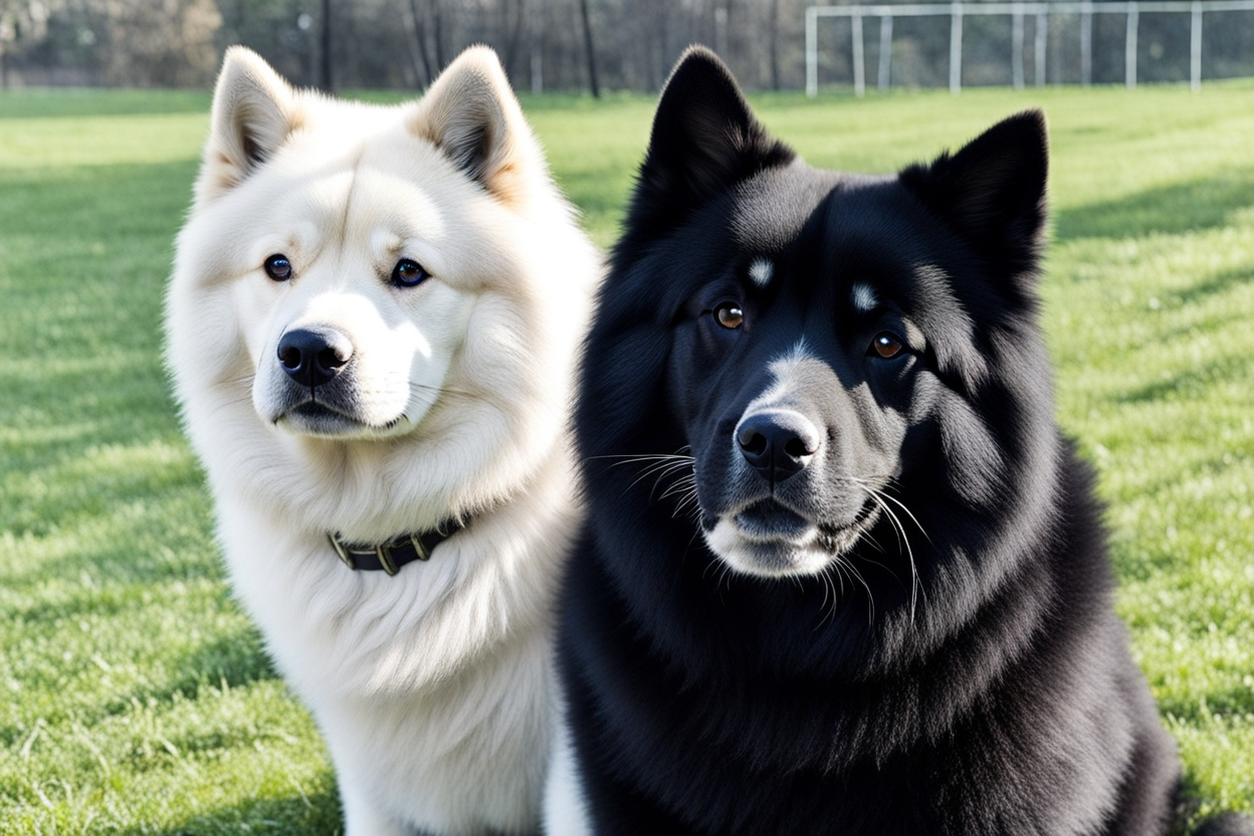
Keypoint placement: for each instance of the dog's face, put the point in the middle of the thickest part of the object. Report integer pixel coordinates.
(799, 370)
(822, 331)
(795, 398)
(352, 242)
(395, 295)
(356, 314)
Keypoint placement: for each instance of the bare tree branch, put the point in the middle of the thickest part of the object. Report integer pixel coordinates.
(591, 53)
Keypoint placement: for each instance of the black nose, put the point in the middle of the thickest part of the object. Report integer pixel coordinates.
(779, 443)
(314, 356)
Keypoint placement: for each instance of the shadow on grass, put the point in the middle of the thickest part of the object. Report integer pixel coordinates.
(144, 539)
(1216, 283)
(235, 660)
(1192, 383)
(1182, 207)
(310, 814)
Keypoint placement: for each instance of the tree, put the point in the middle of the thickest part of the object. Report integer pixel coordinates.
(22, 22)
(325, 79)
(592, 57)
(774, 44)
(167, 43)
(420, 44)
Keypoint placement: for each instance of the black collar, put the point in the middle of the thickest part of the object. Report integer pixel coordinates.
(395, 553)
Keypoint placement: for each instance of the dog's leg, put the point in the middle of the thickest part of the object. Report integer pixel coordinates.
(362, 816)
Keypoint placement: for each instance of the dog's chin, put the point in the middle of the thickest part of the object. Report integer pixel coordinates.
(766, 540)
(315, 420)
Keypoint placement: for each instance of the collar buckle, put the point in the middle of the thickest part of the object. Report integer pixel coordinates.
(384, 553)
(342, 550)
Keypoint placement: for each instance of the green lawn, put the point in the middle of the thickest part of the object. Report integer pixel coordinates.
(138, 697)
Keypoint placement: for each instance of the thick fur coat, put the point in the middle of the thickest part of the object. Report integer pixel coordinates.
(445, 286)
(842, 574)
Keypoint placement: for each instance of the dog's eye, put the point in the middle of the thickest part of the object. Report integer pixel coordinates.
(408, 273)
(729, 315)
(278, 267)
(887, 345)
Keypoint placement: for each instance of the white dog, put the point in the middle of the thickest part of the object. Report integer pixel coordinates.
(372, 326)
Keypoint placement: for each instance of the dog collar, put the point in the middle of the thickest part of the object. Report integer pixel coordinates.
(394, 554)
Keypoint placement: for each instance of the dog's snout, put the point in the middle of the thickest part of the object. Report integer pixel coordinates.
(314, 356)
(778, 443)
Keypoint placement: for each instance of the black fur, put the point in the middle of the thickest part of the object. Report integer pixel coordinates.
(994, 696)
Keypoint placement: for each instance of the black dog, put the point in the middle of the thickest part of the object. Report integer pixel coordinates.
(842, 573)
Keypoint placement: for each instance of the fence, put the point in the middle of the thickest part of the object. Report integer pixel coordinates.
(1017, 11)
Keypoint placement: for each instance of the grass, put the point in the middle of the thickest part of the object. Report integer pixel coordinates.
(139, 699)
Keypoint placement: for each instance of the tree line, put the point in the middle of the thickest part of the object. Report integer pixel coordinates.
(545, 45)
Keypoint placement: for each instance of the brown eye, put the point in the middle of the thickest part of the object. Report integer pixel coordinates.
(887, 345)
(408, 273)
(729, 315)
(278, 267)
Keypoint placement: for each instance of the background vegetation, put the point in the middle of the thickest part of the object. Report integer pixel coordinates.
(137, 697)
(566, 44)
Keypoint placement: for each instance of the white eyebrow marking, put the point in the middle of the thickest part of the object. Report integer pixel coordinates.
(864, 298)
(761, 272)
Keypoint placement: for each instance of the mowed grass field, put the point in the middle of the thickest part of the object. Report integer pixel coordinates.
(137, 698)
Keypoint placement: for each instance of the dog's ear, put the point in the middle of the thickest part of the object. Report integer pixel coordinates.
(992, 192)
(705, 139)
(254, 111)
(471, 114)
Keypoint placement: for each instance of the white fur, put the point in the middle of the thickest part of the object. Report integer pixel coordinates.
(432, 687)
(565, 808)
(864, 298)
(761, 271)
(736, 548)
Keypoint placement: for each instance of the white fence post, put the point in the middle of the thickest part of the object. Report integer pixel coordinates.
(1129, 61)
(955, 48)
(812, 52)
(859, 60)
(886, 50)
(1016, 47)
(1195, 49)
(1042, 38)
(1086, 44)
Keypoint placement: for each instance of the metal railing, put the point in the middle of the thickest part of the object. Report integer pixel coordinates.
(1017, 12)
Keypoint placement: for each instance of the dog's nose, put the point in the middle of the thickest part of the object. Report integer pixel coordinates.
(778, 443)
(314, 356)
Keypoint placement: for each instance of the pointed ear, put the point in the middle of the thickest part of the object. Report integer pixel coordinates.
(253, 113)
(705, 139)
(471, 114)
(992, 192)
